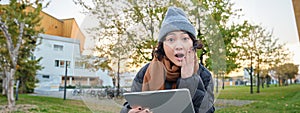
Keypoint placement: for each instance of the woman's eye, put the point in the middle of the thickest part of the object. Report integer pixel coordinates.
(185, 38)
(170, 39)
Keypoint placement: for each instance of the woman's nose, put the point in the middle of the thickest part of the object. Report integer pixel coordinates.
(178, 47)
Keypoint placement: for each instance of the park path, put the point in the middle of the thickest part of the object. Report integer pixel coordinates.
(114, 105)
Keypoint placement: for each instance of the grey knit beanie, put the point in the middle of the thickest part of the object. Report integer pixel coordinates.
(175, 19)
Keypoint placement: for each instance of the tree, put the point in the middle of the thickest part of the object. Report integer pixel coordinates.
(278, 58)
(26, 73)
(217, 36)
(258, 48)
(262, 46)
(114, 41)
(287, 71)
(148, 16)
(18, 24)
(245, 50)
(292, 71)
(265, 77)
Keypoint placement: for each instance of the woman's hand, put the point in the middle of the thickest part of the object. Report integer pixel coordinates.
(139, 109)
(188, 64)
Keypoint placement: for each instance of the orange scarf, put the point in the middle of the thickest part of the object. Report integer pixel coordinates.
(159, 71)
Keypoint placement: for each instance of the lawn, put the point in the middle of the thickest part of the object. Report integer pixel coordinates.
(49, 104)
(285, 99)
(270, 100)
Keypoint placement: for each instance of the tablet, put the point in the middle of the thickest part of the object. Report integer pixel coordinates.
(162, 101)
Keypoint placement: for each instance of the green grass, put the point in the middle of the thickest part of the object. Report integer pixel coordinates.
(49, 104)
(285, 99)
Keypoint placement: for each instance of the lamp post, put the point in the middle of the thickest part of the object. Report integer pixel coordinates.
(17, 89)
(223, 79)
(217, 83)
(66, 72)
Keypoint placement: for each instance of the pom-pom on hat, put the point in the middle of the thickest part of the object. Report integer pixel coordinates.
(175, 19)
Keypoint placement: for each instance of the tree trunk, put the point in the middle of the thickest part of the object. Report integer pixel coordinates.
(217, 83)
(10, 89)
(4, 85)
(118, 77)
(268, 81)
(258, 83)
(279, 81)
(251, 80)
(263, 83)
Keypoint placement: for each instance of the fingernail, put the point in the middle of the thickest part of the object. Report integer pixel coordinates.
(146, 110)
(140, 108)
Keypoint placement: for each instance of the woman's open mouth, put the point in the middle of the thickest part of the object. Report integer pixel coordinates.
(179, 56)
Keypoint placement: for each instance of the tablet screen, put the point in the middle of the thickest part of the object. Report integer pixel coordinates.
(162, 101)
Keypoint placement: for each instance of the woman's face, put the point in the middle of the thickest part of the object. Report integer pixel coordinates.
(176, 46)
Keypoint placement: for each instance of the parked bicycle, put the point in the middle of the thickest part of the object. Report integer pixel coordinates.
(77, 92)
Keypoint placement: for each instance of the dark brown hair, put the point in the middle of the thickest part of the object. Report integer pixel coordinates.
(160, 53)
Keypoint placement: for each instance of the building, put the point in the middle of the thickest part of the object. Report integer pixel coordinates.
(296, 6)
(61, 46)
(56, 53)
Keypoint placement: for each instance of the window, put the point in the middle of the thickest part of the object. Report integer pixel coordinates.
(46, 76)
(61, 63)
(56, 63)
(32, 57)
(58, 47)
(68, 78)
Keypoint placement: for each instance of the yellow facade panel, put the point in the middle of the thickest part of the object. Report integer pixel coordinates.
(296, 5)
(51, 25)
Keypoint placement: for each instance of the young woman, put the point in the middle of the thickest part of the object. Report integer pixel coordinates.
(175, 65)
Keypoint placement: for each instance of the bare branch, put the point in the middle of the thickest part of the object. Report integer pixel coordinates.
(13, 52)
(18, 45)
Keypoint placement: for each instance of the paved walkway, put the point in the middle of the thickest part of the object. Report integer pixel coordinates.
(91, 101)
(57, 94)
(95, 104)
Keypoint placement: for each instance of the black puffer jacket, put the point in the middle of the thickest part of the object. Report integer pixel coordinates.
(201, 89)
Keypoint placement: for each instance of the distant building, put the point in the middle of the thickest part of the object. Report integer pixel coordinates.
(62, 43)
(56, 53)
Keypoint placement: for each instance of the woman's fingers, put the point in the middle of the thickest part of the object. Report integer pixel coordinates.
(139, 109)
(190, 59)
(147, 111)
(187, 68)
(135, 109)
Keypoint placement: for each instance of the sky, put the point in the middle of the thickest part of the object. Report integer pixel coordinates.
(276, 15)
